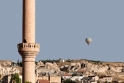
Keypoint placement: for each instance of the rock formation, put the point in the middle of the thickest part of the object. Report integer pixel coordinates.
(48, 68)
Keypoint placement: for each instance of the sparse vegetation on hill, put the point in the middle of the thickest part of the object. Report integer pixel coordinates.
(15, 78)
(49, 60)
(68, 81)
(95, 62)
(27, 82)
(76, 67)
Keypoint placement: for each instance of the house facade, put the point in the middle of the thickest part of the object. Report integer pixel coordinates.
(105, 79)
(90, 79)
(66, 76)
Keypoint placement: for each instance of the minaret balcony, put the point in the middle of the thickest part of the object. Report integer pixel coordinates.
(30, 49)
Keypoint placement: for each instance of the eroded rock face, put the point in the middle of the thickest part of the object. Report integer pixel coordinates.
(5, 63)
(92, 68)
(40, 63)
(74, 66)
(64, 68)
(48, 68)
(8, 70)
(51, 66)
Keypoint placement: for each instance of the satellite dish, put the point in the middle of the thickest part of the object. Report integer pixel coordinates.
(88, 40)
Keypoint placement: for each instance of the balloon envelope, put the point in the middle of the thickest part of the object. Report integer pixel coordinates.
(88, 40)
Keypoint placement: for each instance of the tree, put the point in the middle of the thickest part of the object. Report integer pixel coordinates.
(36, 62)
(74, 74)
(18, 62)
(68, 81)
(98, 81)
(12, 63)
(114, 81)
(27, 82)
(15, 78)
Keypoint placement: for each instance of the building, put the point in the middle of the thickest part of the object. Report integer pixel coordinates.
(28, 49)
(55, 79)
(76, 78)
(51, 79)
(42, 81)
(81, 71)
(105, 78)
(66, 76)
(90, 79)
(7, 79)
(61, 60)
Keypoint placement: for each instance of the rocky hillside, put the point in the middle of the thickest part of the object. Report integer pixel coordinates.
(90, 67)
(47, 68)
(87, 67)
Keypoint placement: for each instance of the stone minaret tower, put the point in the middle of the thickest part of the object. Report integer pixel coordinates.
(28, 49)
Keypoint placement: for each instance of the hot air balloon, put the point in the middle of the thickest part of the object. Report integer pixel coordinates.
(88, 40)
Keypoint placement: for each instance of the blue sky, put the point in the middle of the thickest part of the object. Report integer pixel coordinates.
(63, 25)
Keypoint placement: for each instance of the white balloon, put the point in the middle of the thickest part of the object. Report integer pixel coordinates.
(88, 40)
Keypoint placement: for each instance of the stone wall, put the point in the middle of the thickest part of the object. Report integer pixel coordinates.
(56, 79)
(53, 79)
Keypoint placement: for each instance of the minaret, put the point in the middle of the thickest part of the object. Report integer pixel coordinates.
(28, 49)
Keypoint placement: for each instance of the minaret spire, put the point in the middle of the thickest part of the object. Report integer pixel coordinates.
(28, 49)
(28, 21)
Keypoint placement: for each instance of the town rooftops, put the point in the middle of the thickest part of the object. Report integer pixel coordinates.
(81, 71)
(66, 74)
(104, 76)
(91, 76)
(43, 81)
